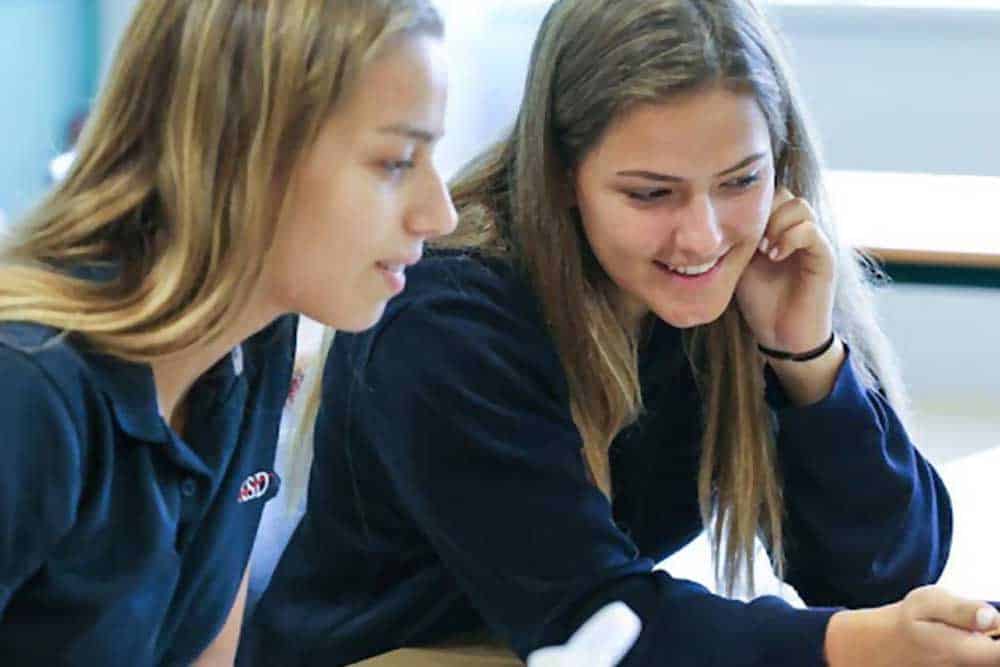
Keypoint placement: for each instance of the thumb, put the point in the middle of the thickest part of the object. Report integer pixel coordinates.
(936, 604)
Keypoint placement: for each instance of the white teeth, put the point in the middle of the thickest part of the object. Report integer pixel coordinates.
(694, 270)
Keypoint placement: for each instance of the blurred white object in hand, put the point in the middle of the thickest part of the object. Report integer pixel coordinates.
(600, 642)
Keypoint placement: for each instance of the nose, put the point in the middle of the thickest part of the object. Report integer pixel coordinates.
(698, 235)
(433, 214)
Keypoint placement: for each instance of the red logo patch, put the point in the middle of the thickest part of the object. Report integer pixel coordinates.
(257, 485)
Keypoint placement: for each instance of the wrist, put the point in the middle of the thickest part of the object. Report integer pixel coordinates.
(803, 356)
(856, 637)
(808, 382)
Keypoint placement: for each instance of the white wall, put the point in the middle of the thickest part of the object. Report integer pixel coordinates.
(889, 88)
(900, 89)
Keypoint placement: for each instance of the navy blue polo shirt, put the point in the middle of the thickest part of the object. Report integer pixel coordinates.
(121, 543)
(448, 495)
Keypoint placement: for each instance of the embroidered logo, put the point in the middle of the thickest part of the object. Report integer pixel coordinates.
(257, 486)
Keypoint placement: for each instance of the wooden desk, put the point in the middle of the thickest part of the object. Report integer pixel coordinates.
(922, 224)
(459, 654)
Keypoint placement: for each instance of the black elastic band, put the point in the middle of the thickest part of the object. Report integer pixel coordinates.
(801, 356)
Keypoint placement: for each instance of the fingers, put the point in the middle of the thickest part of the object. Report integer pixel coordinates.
(940, 644)
(803, 235)
(932, 603)
(781, 196)
(791, 228)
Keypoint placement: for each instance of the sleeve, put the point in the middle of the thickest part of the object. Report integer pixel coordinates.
(40, 470)
(868, 517)
(478, 441)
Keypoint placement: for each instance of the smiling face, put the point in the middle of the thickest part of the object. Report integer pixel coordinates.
(366, 196)
(675, 199)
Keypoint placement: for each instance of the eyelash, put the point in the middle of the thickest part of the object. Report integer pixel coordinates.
(398, 166)
(652, 195)
(742, 183)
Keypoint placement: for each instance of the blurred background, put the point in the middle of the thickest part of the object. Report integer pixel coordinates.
(905, 95)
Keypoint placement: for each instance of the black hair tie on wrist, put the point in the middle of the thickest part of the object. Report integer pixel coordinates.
(801, 356)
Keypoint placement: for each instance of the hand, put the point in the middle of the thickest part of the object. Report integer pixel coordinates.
(786, 292)
(930, 627)
(600, 642)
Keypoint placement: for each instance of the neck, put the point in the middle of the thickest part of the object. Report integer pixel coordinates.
(175, 375)
(635, 312)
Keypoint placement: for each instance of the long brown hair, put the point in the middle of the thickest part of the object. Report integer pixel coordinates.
(592, 62)
(181, 172)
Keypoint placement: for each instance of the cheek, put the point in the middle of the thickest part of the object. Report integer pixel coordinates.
(614, 229)
(746, 218)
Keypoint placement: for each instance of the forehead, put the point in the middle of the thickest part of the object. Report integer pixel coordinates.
(406, 82)
(713, 128)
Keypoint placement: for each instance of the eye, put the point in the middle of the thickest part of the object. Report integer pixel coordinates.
(743, 182)
(647, 196)
(397, 167)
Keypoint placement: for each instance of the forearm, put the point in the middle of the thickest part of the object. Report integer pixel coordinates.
(684, 624)
(868, 517)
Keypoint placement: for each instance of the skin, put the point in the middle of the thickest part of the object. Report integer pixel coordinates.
(689, 181)
(362, 201)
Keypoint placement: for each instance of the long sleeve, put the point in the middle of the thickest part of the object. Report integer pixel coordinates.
(40, 470)
(868, 517)
(466, 407)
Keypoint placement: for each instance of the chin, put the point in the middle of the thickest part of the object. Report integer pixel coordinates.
(354, 321)
(689, 318)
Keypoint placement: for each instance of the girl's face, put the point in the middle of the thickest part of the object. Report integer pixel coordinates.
(366, 196)
(674, 202)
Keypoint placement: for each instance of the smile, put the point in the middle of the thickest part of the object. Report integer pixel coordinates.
(693, 271)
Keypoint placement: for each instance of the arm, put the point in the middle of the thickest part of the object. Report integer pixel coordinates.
(222, 650)
(41, 469)
(868, 518)
(464, 407)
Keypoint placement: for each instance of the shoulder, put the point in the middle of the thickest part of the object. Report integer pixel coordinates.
(38, 360)
(458, 309)
(46, 388)
(468, 336)
(468, 297)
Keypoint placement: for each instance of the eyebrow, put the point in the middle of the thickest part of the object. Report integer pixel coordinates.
(411, 132)
(654, 176)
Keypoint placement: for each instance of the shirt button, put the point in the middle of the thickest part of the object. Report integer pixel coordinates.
(189, 487)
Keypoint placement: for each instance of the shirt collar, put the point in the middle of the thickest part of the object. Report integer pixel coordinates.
(131, 391)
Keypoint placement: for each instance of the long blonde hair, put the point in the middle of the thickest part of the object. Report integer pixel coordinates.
(592, 62)
(181, 172)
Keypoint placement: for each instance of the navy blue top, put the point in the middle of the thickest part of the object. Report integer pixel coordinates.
(449, 494)
(120, 543)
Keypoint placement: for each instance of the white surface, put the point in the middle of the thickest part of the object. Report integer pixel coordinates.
(973, 569)
(600, 642)
(900, 211)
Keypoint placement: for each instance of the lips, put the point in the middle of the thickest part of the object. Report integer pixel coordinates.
(692, 270)
(392, 267)
(399, 263)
